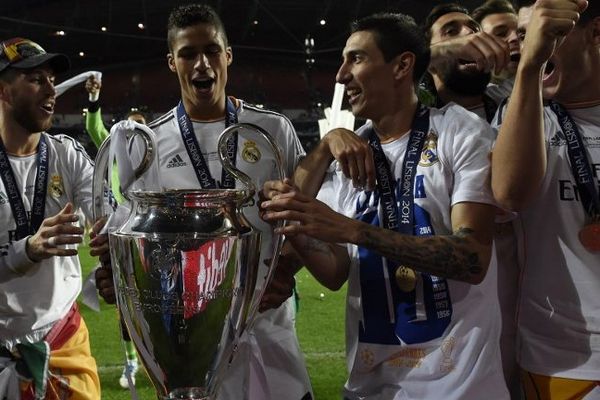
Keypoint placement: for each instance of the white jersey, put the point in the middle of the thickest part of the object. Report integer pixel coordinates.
(559, 320)
(34, 296)
(274, 334)
(442, 342)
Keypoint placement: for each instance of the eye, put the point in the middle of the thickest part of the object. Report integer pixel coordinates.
(452, 31)
(212, 50)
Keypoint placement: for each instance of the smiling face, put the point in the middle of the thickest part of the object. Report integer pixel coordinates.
(504, 27)
(460, 76)
(368, 79)
(200, 58)
(29, 98)
(572, 69)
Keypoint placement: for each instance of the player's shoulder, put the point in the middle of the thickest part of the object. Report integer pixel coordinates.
(256, 114)
(64, 144)
(162, 121)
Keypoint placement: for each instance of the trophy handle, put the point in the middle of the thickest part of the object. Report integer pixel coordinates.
(250, 191)
(104, 162)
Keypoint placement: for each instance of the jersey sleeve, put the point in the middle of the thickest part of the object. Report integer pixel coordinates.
(467, 146)
(14, 260)
(291, 146)
(94, 126)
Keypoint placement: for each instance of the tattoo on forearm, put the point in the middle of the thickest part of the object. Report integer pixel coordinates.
(448, 256)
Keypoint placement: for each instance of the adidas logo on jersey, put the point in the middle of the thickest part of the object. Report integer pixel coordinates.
(176, 161)
(559, 139)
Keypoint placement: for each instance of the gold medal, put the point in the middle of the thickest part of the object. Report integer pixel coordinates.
(251, 153)
(589, 236)
(406, 279)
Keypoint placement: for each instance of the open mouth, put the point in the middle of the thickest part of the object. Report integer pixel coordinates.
(48, 107)
(352, 95)
(467, 66)
(203, 83)
(515, 57)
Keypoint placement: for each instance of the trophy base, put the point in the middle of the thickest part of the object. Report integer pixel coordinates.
(194, 393)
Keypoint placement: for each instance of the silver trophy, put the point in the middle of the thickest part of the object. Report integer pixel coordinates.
(185, 268)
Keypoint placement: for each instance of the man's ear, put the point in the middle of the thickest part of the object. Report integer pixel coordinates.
(229, 55)
(171, 62)
(404, 65)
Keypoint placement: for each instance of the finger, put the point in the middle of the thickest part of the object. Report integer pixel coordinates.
(99, 250)
(353, 171)
(343, 162)
(288, 215)
(108, 295)
(51, 242)
(98, 225)
(487, 54)
(65, 229)
(98, 240)
(58, 252)
(370, 170)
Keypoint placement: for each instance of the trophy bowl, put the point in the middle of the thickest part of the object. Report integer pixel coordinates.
(185, 267)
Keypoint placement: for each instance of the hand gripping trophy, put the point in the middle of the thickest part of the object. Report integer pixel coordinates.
(184, 263)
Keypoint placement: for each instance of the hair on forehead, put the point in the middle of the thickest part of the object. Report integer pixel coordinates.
(394, 34)
(193, 14)
(436, 13)
(492, 7)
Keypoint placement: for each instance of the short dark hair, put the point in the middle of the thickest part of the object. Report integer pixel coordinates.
(492, 7)
(437, 12)
(592, 11)
(135, 112)
(395, 34)
(193, 14)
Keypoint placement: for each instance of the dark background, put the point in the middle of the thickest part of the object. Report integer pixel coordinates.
(267, 37)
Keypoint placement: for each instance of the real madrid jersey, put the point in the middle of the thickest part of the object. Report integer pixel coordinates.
(441, 340)
(559, 320)
(274, 331)
(33, 296)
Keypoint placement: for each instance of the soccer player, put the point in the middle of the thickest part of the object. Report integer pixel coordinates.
(545, 164)
(462, 59)
(199, 54)
(43, 180)
(422, 316)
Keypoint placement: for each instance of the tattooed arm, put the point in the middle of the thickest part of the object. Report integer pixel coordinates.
(463, 256)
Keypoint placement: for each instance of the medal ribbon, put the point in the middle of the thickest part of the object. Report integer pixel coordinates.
(393, 219)
(579, 160)
(418, 316)
(38, 207)
(193, 148)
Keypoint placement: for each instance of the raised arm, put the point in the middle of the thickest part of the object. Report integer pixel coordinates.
(352, 152)
(519, 155)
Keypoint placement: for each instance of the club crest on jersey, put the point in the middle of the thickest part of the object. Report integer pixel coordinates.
(429, 155)
(251, 153)
(56, 186)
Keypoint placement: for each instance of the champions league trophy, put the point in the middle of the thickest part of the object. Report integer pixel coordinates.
(184, 264)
